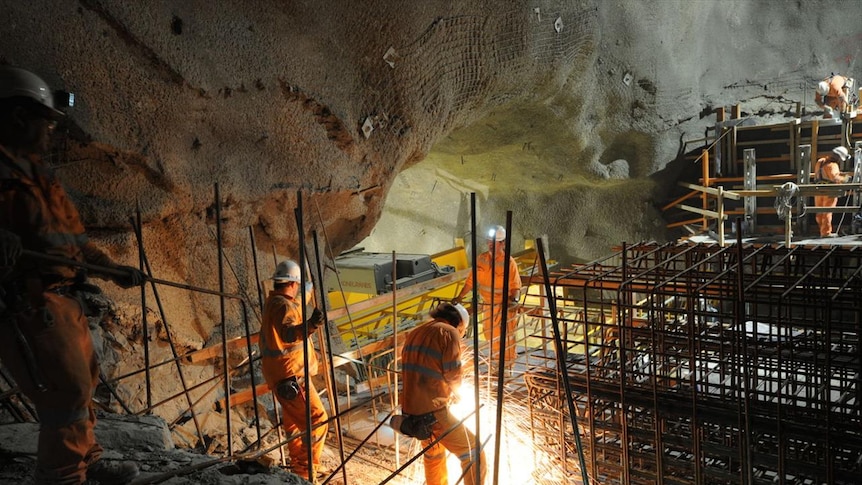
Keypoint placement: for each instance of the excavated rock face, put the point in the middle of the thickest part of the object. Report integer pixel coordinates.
(268, 99)
(565, 112)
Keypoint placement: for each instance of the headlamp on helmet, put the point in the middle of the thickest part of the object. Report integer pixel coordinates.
(20, 83)
(496, 233)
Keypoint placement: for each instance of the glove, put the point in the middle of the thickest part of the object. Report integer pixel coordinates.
(315, 320)
(10, 248)
(828, 112)
(133, 277)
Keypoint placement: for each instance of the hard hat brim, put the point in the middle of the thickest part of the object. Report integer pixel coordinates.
(47, 111)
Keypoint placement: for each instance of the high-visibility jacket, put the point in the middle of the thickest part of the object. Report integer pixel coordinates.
(836, 97)
(431, 367)
(484, 270)
(826, 170)
(283, 359)
(280, 358)
(34, 205)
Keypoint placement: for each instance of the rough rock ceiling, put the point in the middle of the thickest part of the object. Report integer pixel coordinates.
(268, 98)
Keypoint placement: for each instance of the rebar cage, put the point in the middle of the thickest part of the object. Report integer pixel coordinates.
(718, 365)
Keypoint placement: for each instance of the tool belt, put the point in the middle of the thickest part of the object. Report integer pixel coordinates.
(289, 388)
(416, 426)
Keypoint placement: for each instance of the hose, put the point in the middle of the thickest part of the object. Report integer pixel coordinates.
(786, 199)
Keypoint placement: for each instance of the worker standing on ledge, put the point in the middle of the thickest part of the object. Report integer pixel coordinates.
(44, 335)
(490, 265)
(827, 170)
(833, 95)
(431, 365)
(282, 342)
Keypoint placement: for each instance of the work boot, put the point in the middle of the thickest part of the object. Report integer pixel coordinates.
(107, 472)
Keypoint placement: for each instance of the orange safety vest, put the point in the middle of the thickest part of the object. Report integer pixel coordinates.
(836, 97)
(35, 206)
(282, 359)
(826, 171)
(485, 268)
(431, 367)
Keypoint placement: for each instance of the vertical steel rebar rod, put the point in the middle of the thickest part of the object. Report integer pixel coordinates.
(145, 335)
(333, 397)
(251, 367)
(113, 393)
(625, 309)
(148, 270)
(395, 348)
(257, 282)
(501, 362)
(300, 234)
(561, 362)
(489, 315)
(475, 322)
(260, 300)
(741, 352)
(371, 384)
(224, 353)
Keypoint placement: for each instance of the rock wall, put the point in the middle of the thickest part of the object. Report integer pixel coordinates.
(573, 114)
(267, 100)
(590, 165)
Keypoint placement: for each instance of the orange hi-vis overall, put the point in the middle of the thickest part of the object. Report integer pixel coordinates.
(827, 171)
(56, 368)
(282, 360)
(492, 300)
(837, 97)
(431, 367)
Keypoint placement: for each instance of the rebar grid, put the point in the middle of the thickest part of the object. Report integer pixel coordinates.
(686, 369)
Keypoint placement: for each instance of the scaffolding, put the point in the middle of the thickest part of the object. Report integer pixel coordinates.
(693, 364)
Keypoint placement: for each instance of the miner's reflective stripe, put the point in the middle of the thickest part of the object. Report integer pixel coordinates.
(268, 352)
(426, 351)
(425, 371)
(432, 354)
(469, 456)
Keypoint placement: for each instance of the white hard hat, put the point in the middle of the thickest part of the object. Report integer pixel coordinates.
(496, 233)
(823, 88)
(287, 271)
(841, 152)
(447, 311)
(465, 317)
(15, 82)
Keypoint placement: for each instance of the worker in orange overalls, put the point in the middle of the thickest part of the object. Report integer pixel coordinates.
(431, 367)
(833, 94)
(827, 170)
(44, 335)
(490, 266)
(283, 342)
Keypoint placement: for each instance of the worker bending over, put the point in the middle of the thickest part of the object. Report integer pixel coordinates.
(431, 366)
(833, 95)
